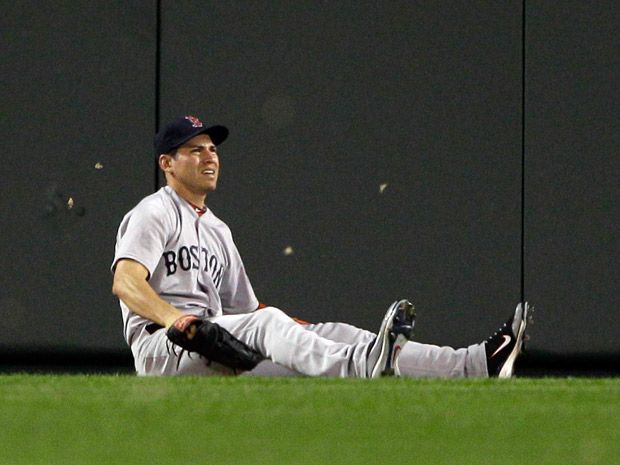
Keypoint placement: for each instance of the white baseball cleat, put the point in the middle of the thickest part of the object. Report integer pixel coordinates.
(396, 329)
(503, 348)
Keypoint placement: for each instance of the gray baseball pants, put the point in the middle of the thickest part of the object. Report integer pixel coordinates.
(324, 349)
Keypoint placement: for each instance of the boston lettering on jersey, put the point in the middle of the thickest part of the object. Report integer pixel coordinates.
(188, 258)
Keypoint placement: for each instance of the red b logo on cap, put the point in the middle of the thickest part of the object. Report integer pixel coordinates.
(195, 121)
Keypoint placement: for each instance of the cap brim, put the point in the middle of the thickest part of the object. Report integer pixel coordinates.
(218, 134)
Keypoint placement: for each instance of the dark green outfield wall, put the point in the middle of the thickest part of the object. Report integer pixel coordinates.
(379, 142)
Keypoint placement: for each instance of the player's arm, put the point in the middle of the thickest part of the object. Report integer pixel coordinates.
(131, 286)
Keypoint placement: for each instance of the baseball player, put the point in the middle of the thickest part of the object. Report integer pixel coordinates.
(188, 306)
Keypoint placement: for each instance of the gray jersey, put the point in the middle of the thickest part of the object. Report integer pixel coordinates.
(192, 261)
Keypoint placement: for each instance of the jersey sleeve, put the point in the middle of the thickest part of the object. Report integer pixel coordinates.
(142, 236)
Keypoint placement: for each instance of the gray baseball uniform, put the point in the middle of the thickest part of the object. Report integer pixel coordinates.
(194, 265)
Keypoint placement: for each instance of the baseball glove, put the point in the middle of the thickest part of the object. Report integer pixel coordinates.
(210, 340)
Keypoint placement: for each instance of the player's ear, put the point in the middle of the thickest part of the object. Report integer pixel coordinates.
(165, 162)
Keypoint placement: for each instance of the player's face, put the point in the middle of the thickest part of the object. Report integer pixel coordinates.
(195, 168)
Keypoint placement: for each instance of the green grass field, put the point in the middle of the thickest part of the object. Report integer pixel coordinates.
(92, 419)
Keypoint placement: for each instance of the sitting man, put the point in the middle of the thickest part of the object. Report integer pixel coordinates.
(176, 267)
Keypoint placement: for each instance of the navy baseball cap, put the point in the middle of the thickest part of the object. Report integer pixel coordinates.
(182, 129)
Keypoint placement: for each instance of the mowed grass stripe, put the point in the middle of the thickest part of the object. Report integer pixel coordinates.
(128, 420)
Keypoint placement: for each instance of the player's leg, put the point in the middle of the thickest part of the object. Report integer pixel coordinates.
(341, 332)
(269, 368)
(426, 360)
(334, 331)
(414, 359)
(493, 357)
(289, 344)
